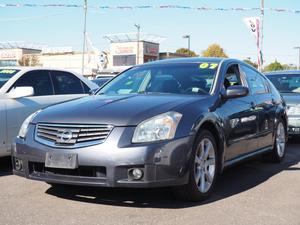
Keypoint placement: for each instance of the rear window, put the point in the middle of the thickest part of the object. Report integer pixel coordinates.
(6, 74)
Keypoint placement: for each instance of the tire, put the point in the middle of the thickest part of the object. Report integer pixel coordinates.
(202, 168)
(278, 152)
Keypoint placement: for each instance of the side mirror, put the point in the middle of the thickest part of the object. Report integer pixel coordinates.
(236, 92)
(93, 91)
(20, 92)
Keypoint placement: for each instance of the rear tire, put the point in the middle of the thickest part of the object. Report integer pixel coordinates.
(203, 169)
(278, 152)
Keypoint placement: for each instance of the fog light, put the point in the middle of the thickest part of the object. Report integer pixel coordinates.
(135, 174)
(18, 164)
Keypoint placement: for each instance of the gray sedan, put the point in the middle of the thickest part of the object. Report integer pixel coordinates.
(176, 123)
(288, 84)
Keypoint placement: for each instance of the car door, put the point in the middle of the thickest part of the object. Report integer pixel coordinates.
(4, 150)
(241, 121)
(265, 106)
(44, 95)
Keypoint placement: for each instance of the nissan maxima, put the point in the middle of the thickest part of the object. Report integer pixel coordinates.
(172, 123)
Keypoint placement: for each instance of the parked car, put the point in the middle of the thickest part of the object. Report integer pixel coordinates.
(25, 90)
(288, 84)
(101, 80)
(175, 122)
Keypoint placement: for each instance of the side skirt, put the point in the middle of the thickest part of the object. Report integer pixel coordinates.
(247, 156)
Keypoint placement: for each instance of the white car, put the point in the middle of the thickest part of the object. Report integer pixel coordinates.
(24, 90)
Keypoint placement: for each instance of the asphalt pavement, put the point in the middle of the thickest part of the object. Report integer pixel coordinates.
(251, 193)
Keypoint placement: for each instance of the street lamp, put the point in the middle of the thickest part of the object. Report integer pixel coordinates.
(84, 36)
(189, 38)
(298, 48)
(138, 27)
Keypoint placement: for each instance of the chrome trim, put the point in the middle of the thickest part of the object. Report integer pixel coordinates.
(82, 135)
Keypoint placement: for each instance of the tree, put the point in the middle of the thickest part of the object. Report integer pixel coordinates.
(254, 64)
(214, 50)
(186, 51)
(273, 66)
(29, 60)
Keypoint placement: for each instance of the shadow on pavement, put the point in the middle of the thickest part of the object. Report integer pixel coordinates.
(5, 166)
(233, 181)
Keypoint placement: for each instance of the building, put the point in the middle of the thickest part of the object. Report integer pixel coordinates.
(127, 50)
(12, 53)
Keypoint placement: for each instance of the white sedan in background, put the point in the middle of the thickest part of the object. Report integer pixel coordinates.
(24, 90)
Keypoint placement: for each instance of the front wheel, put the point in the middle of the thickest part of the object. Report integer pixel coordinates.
(203, 169)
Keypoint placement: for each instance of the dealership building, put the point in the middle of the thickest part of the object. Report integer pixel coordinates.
(125, 50)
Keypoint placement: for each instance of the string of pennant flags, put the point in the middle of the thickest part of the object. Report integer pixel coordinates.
(124, 7)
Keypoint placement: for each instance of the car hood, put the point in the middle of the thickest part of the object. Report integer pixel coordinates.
(291, 99)
(120, 110)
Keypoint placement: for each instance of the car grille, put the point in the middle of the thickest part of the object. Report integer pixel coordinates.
(71, 136)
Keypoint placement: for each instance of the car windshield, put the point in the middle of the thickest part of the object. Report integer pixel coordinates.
(6, 74)
(181, 78)
(286, 83)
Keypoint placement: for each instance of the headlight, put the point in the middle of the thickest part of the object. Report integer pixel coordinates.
(293, 110)
(24, 128)
(161, 127)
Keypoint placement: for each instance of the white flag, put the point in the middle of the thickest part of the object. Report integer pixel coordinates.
(254, 25)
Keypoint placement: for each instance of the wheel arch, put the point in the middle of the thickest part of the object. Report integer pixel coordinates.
(215, 129)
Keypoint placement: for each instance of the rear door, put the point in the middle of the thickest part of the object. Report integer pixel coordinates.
(265, 106)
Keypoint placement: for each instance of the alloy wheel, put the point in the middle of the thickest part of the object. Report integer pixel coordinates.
(280, 140)
(205, 165)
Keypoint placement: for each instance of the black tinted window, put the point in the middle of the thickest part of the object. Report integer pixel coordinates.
(256, 82)
(66, 83)
(39, 80)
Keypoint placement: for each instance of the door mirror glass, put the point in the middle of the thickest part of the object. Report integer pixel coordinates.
(236, 91)
(19, 92)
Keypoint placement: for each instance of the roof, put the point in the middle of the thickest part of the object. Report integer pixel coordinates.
(186, 60)
(21, 45)
(132, 37)
(280, 72)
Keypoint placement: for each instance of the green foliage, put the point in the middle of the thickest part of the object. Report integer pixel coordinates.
(254, 64)
(274, 66)
(186, 51)
(214, 50)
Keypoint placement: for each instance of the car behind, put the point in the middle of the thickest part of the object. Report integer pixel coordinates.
(288, 84)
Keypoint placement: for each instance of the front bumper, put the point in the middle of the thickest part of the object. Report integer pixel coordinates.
(107, 164)
(294, 125)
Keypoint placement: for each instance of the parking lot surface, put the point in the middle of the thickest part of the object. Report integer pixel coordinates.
(250, 193)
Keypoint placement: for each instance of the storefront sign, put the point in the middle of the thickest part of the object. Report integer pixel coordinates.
(8, 55)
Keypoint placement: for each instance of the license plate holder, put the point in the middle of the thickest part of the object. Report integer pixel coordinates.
(61, 160)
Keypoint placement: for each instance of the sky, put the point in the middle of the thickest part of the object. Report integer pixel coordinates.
(59, 27)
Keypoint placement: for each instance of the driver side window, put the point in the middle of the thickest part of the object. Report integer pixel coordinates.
(232, 76)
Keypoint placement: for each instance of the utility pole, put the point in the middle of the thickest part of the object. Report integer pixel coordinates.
(262, 14)
(84, 36)
(298, 48)
(187, 36)
(138, 43)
